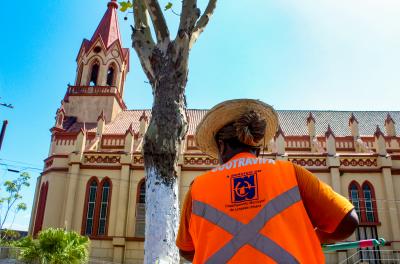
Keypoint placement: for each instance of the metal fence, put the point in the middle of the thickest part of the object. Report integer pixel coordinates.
(374, 257)
(9, 255)
(99, 261)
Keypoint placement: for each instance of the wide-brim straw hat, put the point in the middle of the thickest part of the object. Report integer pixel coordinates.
(227, 112)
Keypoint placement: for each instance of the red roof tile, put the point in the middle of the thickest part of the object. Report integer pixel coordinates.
(292, 122)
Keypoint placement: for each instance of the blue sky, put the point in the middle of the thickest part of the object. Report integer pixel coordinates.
(303, 54)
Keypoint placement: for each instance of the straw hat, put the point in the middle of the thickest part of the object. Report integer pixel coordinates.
(228, 112)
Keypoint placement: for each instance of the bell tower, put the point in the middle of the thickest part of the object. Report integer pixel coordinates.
(102, 66)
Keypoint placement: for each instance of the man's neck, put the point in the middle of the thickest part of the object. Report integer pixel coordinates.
(230, 154)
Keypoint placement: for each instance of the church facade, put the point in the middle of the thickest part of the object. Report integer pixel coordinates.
(93, 177)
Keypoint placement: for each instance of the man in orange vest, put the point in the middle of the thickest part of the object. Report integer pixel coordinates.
(256, 210)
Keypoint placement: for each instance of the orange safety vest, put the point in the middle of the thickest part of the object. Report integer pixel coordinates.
(249, 210)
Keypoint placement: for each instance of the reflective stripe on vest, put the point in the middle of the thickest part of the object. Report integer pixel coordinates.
(249, 233)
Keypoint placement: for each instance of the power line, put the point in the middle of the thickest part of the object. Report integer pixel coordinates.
(20, 162)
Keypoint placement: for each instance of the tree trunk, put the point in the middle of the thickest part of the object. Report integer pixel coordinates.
(161, 148)
(165, 64)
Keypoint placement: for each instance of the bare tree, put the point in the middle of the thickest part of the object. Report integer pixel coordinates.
(165, 63)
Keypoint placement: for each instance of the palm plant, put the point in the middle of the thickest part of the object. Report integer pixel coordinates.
(55, 246)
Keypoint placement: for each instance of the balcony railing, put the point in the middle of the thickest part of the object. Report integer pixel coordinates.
(95, 90)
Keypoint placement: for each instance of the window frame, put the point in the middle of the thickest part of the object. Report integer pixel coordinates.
(94, 63)
(97, 207)
(362, 201)
(372, 202)
(141, 183)
(357, 188)
(113, 80)
(108, 205)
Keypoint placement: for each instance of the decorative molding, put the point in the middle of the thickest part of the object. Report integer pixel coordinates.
(200, 161)
(100, 167)
(138, 160)
(309, 162)
(358, 162)
(93, 159)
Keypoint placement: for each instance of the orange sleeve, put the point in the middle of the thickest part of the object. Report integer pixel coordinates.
(325, 207)
(184, 240)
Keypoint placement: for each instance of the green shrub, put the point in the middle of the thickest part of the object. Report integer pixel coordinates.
(54, 246)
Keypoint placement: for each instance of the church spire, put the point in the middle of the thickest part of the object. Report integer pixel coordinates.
(108, 29)
(102, 66)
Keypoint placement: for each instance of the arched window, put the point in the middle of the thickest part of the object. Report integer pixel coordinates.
(369, 202)
(354, 194)
(79, 76)
(140, 209)
(110, 75)
(41, 206)
(97, 207)
(94, 74)
(104, 206)
(90, 206)
(363, 200)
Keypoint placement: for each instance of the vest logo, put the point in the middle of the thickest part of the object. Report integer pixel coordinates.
(244, 187)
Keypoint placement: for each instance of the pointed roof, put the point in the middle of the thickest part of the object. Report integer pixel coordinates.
(378, 132)
(143, 117)
(108, 29)
(389, 119)
(279, 132)
(108, 32)
(352, 119)
(102, 116)
(310, 118)
(130, 130)
(329, 132)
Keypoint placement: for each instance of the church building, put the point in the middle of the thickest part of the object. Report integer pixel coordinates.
(93, 177)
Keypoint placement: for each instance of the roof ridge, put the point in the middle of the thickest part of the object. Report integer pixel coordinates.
(291, 110)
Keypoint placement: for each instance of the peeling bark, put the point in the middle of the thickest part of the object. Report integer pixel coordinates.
(168, 123)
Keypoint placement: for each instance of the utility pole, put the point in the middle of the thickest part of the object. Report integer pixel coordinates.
(5, 123)
(3, 131)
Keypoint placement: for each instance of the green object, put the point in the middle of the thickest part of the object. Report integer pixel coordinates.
(355, 244)
(54, 246)
(168, 6)
(125, 5)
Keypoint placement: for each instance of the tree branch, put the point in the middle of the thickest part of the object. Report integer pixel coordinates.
(189, 15)
(142, 41)
(203, 21)
(158, 19)
(141, 19)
